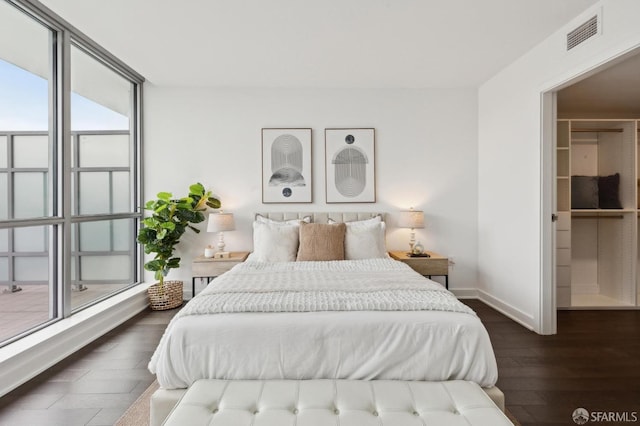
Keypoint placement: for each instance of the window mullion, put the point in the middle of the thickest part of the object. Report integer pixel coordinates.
(10, 241)
(55, 309)
(64, 134)
(137, 174)
(10, 171)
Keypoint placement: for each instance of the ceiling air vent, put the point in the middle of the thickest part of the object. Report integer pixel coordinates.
(583, 33)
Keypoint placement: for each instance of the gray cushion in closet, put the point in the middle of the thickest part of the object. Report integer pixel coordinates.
(608, 192)
(584, 192)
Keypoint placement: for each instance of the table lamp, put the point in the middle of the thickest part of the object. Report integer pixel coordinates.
(220, 223)
(411, 219)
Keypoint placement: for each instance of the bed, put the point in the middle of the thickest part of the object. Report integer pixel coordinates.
(355, 319)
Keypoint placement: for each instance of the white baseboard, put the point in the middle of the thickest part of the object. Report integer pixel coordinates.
(504, 308)
(24, 359)
(497, 304)
(465, 293)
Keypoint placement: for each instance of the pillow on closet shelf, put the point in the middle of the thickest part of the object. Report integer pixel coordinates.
(608, 192)
(321, 242)
(584, 192)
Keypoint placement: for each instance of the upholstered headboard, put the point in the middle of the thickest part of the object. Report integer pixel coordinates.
(322, 217)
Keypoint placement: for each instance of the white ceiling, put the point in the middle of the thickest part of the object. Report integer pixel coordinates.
(318, 43)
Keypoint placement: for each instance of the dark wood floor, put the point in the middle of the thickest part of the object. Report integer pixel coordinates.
(593, 362)
(94, 386)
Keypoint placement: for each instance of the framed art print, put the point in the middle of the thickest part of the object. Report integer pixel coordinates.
(286, 165)
(350, 165)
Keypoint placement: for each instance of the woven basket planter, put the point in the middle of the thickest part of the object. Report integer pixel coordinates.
(169, 298)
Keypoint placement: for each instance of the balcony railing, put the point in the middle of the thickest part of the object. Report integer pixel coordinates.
(104, 221)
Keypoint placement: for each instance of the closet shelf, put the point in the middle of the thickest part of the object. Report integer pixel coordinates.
(600, 213)
(603, 211)
(595, 130)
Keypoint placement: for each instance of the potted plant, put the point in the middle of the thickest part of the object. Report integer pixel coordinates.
(161, 233)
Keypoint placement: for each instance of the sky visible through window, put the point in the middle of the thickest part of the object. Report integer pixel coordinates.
(24, 105)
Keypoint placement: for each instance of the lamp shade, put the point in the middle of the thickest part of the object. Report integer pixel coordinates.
(411, 219)
(221, 222)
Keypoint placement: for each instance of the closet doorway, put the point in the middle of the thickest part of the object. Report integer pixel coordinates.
(597, 183)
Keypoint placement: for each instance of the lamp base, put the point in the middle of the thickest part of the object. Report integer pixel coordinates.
(221, 255)
(418, 255)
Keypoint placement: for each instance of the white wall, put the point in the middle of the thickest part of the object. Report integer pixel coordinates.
(509, 208)
(426, 157)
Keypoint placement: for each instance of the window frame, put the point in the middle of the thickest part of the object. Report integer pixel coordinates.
(61, 217)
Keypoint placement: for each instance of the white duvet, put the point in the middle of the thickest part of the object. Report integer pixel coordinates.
(361, 319)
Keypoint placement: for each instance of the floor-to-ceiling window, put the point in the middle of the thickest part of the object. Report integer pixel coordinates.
(103, 166)
(69, 171)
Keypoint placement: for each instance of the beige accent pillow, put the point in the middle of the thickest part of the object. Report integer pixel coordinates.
(320, 242)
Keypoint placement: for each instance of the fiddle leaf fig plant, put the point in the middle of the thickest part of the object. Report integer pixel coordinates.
(169, 220)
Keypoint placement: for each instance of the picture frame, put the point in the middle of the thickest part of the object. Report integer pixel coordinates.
(350, 165)
(287, 165)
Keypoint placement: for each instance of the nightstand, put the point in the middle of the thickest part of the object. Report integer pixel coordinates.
(435, 265)
(209, 268)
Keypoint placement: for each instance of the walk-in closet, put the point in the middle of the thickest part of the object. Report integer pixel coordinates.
(597, 204)
(597, 187)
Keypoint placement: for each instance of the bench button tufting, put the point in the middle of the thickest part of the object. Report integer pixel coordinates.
(255, 412)
(215, 410)
(415, 413)
(336, 411)
(295, 411)
(375, 413)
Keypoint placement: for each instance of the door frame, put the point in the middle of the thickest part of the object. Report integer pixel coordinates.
(547, 314)
(547, 323)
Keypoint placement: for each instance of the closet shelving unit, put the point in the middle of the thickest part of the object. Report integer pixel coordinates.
(597, 257)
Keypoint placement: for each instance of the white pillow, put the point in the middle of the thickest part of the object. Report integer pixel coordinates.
(260, 218)
(375, 219)
(275, 242)
(364, 239)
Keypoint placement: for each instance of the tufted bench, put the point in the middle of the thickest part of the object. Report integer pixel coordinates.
(335, 402)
